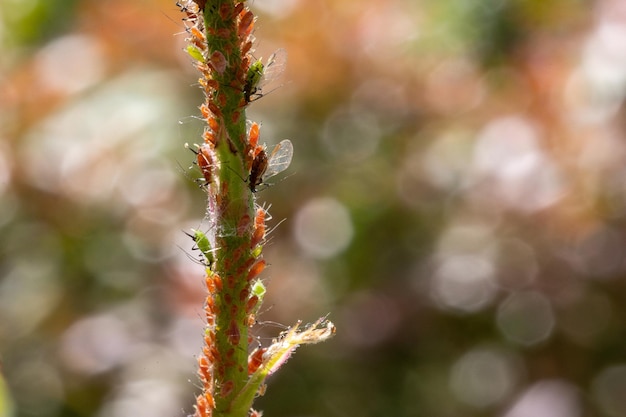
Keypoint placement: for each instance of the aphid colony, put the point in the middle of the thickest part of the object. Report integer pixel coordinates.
(231, 78)
(260, 166)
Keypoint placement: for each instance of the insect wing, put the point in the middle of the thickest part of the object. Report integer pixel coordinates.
(275, 67)
(280, 159)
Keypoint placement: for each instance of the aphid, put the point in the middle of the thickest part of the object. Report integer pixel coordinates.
(206, 162)
(232, 333)
(253, 134)
(203, 243)
(255, 360)
(227, 388)
(246, 24)
(256, 269)
(259, 166)
(195, 53)
(264, 168)
(259, 75)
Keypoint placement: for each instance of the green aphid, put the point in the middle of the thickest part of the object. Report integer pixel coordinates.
(259, 75)
(204, 245)
(195, 53)
(258, 289)
(253, 78)
(257, 251)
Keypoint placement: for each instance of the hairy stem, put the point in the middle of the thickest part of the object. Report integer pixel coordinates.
(233, 163)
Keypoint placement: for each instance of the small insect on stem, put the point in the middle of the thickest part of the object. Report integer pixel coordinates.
(260, 75)
(203, 244)
(264, 167)
(259, 166)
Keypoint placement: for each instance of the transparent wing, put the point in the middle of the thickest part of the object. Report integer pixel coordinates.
(275, 67)
(280, 159)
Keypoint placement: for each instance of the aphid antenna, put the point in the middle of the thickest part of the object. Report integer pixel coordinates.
(265, 185)
(192, 122)
(197, 261)
(176, 23)
(257, 339)
(245, 180)
(184, 171)
(261, 312)
(195, 247)
(196, 384)
(196, 117)
(319, 321)
(201, 182)
(259, 95)
(191, 149)
(261, 340)
(269, 232)
(273, 324)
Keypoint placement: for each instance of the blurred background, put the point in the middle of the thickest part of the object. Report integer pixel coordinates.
(456, 202)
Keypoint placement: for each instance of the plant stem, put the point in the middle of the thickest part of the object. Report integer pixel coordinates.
(232, 164)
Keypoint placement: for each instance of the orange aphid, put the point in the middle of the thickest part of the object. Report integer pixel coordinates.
(230, 281)
(255, 360)
(208, 83)
(256, 269)
(203, 362)
(243, 294)
(224, 34)
(237, 254)
(245, 266)
(216, 110)
(246, 47)
(210, 319)
(198, 43)
(209, 309)
(230, 353)
(198, 38)
(196, 32)
(219, 62)
(225, 11)
(209, 336)
(204, 110)
(260, 216)
(253, 135)
(232, 334)
(217, 281)
(257, 236)
(251, 303)
(245, 24)
(228, 299)
(206, 162)
(227, 388)
(210, 284)
(238, 8)
(234, 309)
(244, 224)
(204, 370)
(205, 405)
(209, 137)
(213, 123)
(243, 70)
